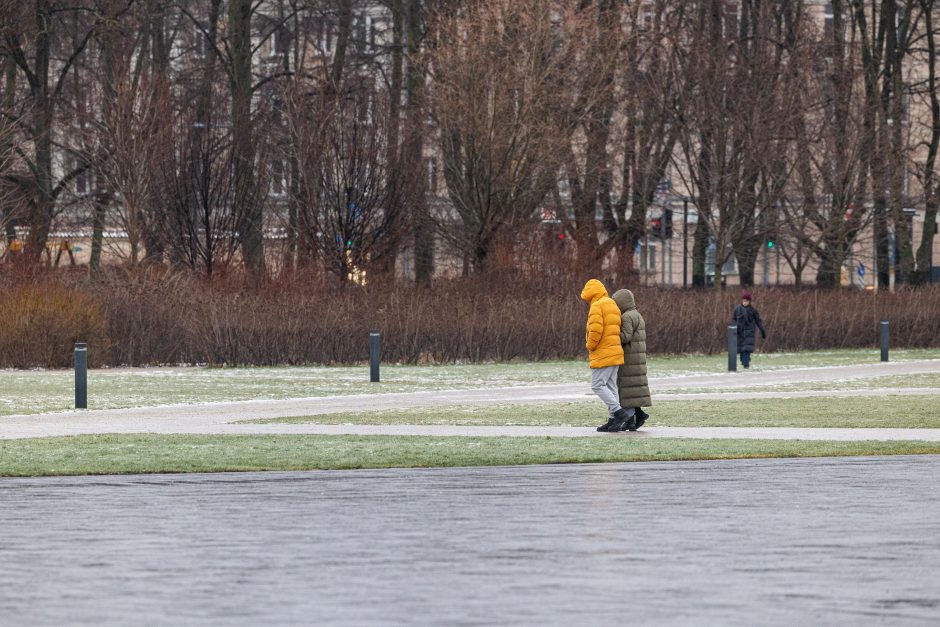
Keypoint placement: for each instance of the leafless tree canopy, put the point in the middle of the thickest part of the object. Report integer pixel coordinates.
(355, 139)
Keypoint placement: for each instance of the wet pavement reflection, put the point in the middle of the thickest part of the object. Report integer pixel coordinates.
(727, 542)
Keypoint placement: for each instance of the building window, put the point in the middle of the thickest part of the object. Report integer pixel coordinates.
(430, 167)
(272, 44)
(362, 33)
(200, 41)
(370, 108)
(325, 33)
(83, 180)
(647, 16)
(279, 41)
(278, 178)
(277, 112)
(731, 19)
(378, 31)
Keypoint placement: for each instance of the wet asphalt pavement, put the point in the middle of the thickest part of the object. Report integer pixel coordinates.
(765, 542)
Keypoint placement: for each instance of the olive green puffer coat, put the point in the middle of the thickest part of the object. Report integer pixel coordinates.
(631, 378)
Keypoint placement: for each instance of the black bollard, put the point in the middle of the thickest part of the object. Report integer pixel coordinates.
(884, 340)
(374, 355)
(81, 376)
(732, 348)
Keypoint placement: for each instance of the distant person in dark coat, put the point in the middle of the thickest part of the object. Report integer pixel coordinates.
(747, 320)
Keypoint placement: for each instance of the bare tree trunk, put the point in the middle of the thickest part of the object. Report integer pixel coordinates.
(9, 97)
(97, 230)
(699, 252)
(904, 256)
(247, 204)
(829, 273)
(931, 196)
(41, 218)
(102, 197)
(415, 84)
(393, 159)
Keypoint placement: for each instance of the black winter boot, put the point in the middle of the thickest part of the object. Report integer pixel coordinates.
(641, 417)
(622, 422)
(606, 426)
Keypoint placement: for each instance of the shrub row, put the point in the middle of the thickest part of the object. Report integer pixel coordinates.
(173, 319)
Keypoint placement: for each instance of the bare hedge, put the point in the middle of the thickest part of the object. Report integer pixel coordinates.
(174, 319)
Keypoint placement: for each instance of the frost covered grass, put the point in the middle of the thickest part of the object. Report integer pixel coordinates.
(39, 391)
(699, 364)
(920, 412)
(124, 454)
(885, 383)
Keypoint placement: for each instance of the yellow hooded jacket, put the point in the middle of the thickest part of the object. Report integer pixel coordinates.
(602, 336)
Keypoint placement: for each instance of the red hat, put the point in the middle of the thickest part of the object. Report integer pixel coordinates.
(746, 296)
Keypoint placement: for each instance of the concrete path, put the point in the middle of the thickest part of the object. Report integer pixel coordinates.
(847, 541)
(219, 417)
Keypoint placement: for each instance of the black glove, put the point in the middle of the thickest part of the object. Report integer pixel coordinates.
(763, 335)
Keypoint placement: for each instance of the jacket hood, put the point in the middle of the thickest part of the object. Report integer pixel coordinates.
(624, 300)
(593, 289)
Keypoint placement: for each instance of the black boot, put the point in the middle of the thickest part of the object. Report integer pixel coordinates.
(614, 423)
(641, 417)
(630, 423)
(621, 421)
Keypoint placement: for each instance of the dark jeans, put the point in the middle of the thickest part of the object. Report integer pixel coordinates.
(745, 358)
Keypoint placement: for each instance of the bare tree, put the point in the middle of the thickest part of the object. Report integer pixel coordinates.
(497, 98)
(234, 44)
(587, 160)
(45, 38)
(134, 129)
(199, 185)
(10, 198)
(825, 210)
(625, 115)
(927, 141)
(884, 30)
(347, 182)
(732, 123)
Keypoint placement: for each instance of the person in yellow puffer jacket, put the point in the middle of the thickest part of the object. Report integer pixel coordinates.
(602, 340)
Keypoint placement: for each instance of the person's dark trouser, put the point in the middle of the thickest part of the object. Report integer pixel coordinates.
(745, 358)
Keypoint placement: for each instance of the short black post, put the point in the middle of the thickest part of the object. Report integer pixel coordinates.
(81, 376)
(884, 340)
(732, 348)
(374, 354)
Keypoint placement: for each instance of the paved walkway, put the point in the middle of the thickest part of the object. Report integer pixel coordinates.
(847, 541)
(220, 418)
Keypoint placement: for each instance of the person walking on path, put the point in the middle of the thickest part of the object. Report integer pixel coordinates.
(747, 319)
(632, 384)
(602, 340)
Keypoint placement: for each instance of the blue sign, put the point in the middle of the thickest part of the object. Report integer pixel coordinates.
(861, 269)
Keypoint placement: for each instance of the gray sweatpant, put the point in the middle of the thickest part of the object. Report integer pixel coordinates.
(604, 384)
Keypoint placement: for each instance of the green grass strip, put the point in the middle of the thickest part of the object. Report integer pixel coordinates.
(915, 412)
(120, 454)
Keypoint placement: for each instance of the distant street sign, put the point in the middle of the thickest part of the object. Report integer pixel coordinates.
(861, 269)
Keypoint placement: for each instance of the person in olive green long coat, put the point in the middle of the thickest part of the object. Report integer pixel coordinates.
(632, 382)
